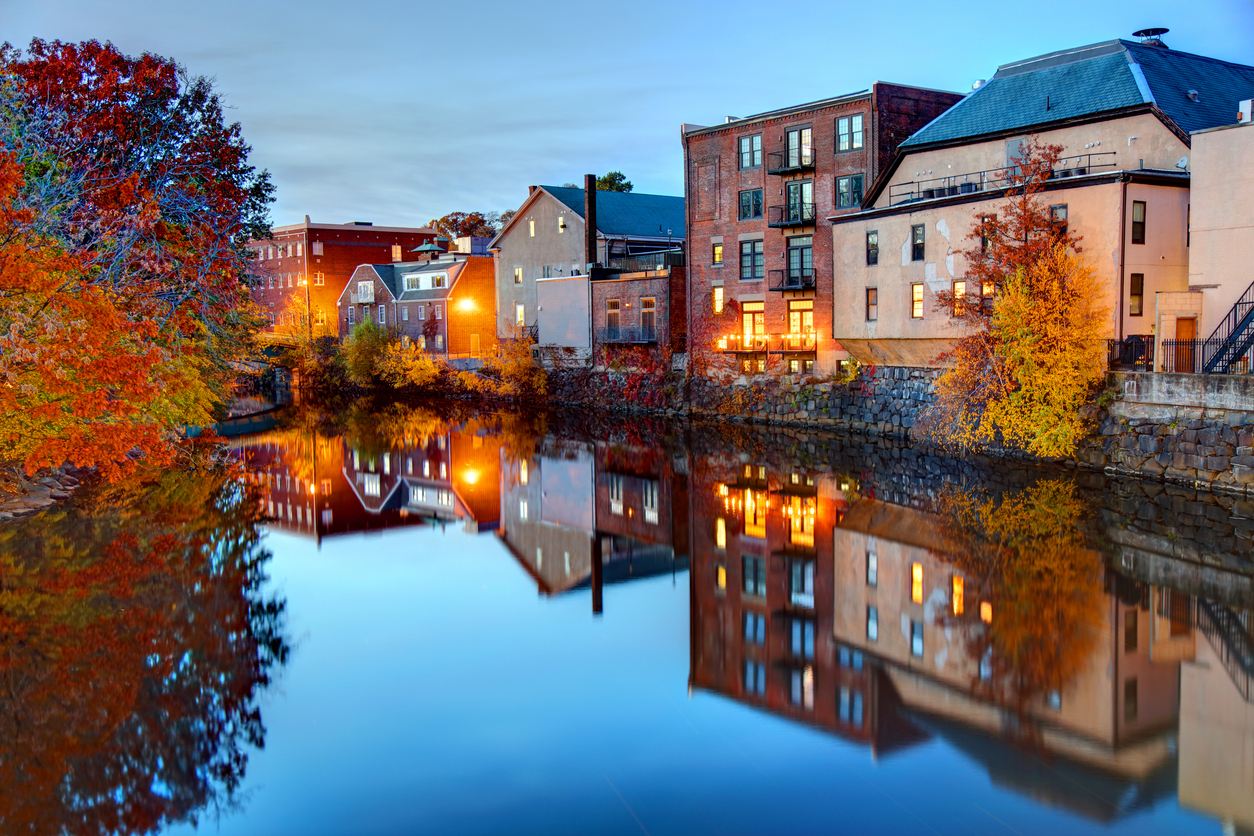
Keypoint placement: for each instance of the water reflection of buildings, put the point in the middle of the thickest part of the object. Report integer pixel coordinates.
(585, 514)
(843, 616)
(321, 487)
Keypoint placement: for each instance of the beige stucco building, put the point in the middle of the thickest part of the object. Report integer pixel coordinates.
(1121, 112)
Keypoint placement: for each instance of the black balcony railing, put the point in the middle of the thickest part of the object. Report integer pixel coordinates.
(1181, 356)
(791, 214)
(768, 343)
(794, 343)
(993, 179)
(645, 262)
(1134, 354)
(796, 278)
(790, 160)
(744, 344)
(629, 334)
(531, 333)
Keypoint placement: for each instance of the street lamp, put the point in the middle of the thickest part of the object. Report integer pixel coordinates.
(308, 311)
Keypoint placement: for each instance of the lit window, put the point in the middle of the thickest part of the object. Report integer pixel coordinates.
(756, 503)
(960, 290)
(916, 583)
(531, 226)
(561, 224)
(957, 595)
(517, 275)
(396, 252)
(720, 533)
(718, 300)
(319, 280)
(522, 472)
(718, 253)
(986, 612)
(520, 314)
(872, 304)
(916, 301)
(722, 577)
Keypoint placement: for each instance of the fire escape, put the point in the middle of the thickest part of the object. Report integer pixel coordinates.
(1233, 339)
(1231, 639)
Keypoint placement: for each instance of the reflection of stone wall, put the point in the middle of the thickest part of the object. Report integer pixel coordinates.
(1216, 451)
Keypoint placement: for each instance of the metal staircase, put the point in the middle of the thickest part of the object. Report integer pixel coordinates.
(1231, 641)
(1233, 339)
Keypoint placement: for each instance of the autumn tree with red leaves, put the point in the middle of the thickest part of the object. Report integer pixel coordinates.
(126, 201)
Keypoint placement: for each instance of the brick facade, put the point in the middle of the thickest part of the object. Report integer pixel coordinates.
(667, 289)
(789, 285)
(290, 257)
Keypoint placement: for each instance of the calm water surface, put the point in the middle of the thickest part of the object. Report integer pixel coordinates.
(405, 621)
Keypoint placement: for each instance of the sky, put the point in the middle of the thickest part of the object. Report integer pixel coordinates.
(398, 113)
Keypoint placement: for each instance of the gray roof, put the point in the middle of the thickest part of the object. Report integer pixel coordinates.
(629, 213)
(1094, 79)
(390, 275)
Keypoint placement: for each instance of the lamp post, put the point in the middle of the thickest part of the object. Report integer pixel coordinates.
(308, 311)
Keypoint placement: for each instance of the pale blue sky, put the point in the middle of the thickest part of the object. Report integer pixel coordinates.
(400, 112)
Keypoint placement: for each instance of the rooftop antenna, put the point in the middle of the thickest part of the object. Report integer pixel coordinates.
(1151, 37)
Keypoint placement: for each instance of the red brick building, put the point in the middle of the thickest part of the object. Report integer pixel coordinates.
(640, 318)
(759, 254)
(447, 304)
(320, 258)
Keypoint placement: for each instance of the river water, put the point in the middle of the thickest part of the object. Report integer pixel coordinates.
(401, 619)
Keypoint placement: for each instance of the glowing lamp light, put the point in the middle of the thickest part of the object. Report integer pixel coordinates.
(470, 477)
(986, 612)
(466, 305)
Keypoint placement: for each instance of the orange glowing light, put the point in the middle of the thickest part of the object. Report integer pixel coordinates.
(466, 304)
(986, 612)
(470, 476)
(916, 583)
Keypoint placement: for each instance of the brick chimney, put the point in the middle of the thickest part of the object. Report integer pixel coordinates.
(590, 219)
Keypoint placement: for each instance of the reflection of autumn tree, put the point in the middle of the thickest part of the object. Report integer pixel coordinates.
(135, 641)
(1024, 555)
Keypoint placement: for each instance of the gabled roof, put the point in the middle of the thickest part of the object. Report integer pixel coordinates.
(1094, 79)
(391, 275)
(629, 213)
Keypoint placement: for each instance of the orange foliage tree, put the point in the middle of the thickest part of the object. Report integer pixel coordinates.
(125, 205)
(1031, 353)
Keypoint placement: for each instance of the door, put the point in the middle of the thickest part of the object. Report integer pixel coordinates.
(800, 202)
(800, 261)
(1186, 329)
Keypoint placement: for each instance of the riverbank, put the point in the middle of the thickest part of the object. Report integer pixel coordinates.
(32, 494)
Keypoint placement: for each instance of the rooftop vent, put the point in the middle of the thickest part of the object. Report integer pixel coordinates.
(1151, 37)
(979, 82)
(363, 223)
(1193, 96)
(1245, 111)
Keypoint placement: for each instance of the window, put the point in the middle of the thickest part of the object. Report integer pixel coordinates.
(1129, 700)
(917, 249)
(1129, 631)
(986, 612)
(404, 313)
(849, 191)
(801, 642)
(350, 315)
(319, 280)
(717, 258)
(849, 133)
(986, 296)
(956, 596)
(649, 502)
(396, 252)
(561, 224)
(383, 317)
(849, 658)
(872, 248)
(720, 533)
(365, 291)
(1136, 302)
(1058, 216)
(422, 311)
(291, 279)
(960, 291)
(916, 583)
(522, 472)
(517, 275)
(371, 485)
(755, 628)
(717, 301)
(872, 304)
(802, 693)
(872, 623)
(413, 282)
(800, 316)
(437, 281)
(752, 261)
(801, 586)
(800, 147)
(317, 247)
(612, 320)
(522, 509)
(520, 314)
(548, 271)
(872, 565)
(753, 318)
(850, 709)
(800, 260)
(799, 208)
(755, 678)
(755, 575)
(1138, 222)
(531, 228)
(751, 151)
(616, 494)
(916, 638)
(751, 204)
(648, 315)
(439, 341)
(916, 301)
(438, 312)
(300, 249)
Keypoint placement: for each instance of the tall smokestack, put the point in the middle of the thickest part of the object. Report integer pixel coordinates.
(590, 218)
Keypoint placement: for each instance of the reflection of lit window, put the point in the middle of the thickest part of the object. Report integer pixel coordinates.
(986, 612)
(387, 463)
(755, 678)
(616, 494)
(803, 689)
(426, 470)
(801, 520)
(722, 577)
(916, 638)
(872, 623)
(522, 473)
(957, 596)
(802, 639)
(755, 628)
(755, 575)
(916, 583)
(850, 708)
(802, 588)
(720, 533)
(370, 485)
(443, 470)
(409, 466)
(755, 513)
(522, 509)
(650, 502)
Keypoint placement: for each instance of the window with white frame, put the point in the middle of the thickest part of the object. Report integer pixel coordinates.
(650, 502)
(397, 255)
(383, 316)
(616, 494)
(404, 313)
(438, 314)
(365, 291)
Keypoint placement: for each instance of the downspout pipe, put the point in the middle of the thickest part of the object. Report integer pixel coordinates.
(590, 251)
(1123, 248)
